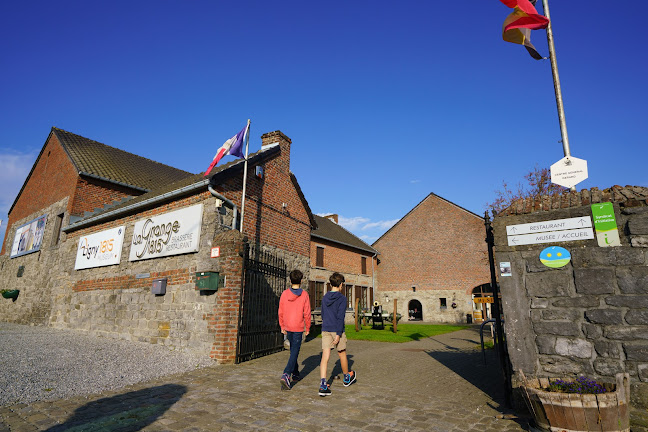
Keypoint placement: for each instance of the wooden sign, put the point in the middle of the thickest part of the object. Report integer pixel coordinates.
(483, 300)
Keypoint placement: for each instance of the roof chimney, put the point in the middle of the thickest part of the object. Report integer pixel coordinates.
(332, 218)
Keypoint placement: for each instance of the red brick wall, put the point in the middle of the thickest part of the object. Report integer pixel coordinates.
(266, 220)
(52, 179)
(339, 258)
(174, 277)
(93, 193)
(223, 322)
(436, 246)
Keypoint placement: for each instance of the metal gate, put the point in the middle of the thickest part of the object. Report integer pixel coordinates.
(264, 280)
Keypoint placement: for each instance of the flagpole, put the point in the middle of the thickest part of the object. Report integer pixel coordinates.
(247, 142)
(556, 80)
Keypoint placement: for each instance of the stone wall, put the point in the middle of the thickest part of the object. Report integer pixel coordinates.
(430, 303)
(589, 317)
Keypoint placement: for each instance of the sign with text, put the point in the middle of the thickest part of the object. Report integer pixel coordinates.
(100, 249)
(483, 300)
(552, 225)
(167, 234)
(605, 225)
(29, 237)
(569, 171)
(215, 252)
(558, 230)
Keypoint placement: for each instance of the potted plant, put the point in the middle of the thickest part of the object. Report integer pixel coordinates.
(10, 294)
(579, 404)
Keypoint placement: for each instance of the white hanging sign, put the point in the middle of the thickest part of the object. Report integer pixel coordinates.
(167, 234)
(100, 249)
(569, 171)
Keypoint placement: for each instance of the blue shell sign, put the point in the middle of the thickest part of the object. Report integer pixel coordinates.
(555, 257)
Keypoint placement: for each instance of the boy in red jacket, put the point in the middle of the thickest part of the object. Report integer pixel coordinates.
(294, 320)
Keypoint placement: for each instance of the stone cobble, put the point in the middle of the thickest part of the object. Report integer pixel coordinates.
(435, 384)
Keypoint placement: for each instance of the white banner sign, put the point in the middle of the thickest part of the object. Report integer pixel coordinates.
(100, 249)
(167, 234)
(551, 237)
(550, 225)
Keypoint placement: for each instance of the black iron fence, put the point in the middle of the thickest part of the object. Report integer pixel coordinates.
(264, 281)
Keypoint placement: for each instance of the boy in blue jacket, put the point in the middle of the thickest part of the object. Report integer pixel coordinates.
(334, 306)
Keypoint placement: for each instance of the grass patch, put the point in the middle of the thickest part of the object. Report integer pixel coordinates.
(406, 332)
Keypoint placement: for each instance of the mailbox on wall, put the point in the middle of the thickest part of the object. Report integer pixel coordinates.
(207, 281)
(159, 286)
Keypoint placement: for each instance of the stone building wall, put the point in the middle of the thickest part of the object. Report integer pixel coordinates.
(116, 301)
(589, 317)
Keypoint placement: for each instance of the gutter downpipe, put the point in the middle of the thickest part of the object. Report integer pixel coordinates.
(373, 277)
(227, 201)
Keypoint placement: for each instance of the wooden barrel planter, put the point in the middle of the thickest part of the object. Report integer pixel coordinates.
(571, 412)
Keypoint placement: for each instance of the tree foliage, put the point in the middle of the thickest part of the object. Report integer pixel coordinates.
(538, 183)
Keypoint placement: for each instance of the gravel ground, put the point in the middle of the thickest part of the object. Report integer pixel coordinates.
(41, 363)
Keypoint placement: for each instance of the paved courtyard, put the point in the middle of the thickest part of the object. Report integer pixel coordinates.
(436, 384)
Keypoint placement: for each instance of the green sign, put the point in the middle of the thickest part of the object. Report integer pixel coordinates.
(605, 225)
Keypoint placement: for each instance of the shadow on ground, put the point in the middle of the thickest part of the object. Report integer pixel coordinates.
(128, 412)
(487, 377)
(312, 363)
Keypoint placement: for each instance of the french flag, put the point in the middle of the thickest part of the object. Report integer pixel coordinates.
(233, 146)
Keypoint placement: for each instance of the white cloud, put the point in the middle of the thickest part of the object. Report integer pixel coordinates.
(14, 167)
(353, 223)
(415, 181)
(368, 239)
(382, 225)
(364, 228)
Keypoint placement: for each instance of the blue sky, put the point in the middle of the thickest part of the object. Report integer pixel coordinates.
(385, 101)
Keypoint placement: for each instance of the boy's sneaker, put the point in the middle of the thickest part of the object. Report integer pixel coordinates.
(325, 389)
(285, 382)
(349, 378)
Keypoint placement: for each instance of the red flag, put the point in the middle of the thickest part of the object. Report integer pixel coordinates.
(518, 25)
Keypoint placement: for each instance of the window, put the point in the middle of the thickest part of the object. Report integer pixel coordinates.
(319, 257)
(58, 223)
(363, 264)
(348, 293)
(442, 303)
(362, 293)
(318, 294)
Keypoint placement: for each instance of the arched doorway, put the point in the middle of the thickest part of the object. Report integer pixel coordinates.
(415, 310)
(481, 305)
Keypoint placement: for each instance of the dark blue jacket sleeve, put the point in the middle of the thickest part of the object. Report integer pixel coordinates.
(341, 313)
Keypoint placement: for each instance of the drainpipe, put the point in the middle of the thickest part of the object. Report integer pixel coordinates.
(373, 277)
(226, 201)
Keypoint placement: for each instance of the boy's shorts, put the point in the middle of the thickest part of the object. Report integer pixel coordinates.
(329, 337)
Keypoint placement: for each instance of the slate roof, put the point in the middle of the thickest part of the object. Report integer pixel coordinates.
(628, 196)
(185, 186)
(329, 230)
(108, 163)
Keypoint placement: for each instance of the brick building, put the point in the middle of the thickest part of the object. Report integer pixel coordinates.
(334, 249)
(433, 261)
(94, 229)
